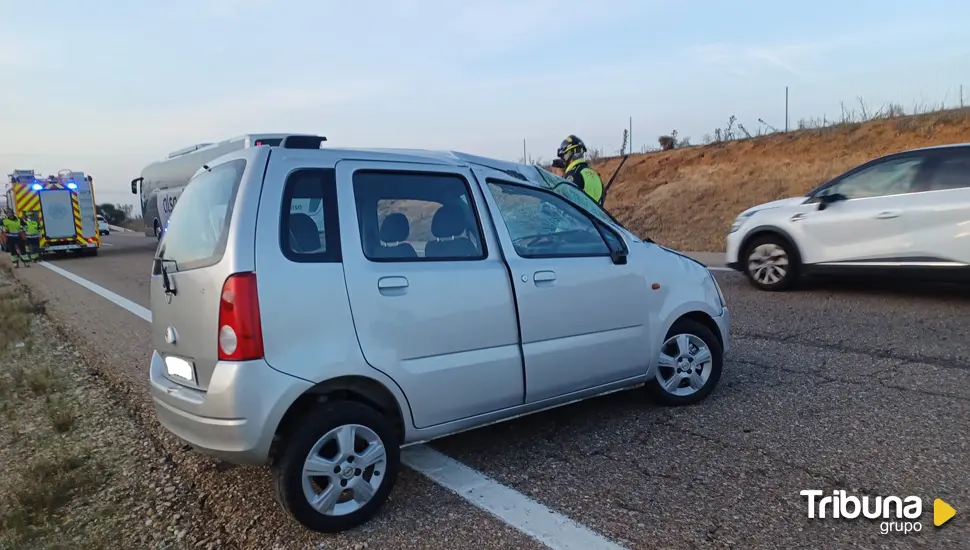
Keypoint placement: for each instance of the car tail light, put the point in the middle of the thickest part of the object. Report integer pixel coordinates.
(240, 332)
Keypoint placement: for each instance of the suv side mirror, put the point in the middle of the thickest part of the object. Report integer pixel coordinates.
(825, 200)
(134, 185)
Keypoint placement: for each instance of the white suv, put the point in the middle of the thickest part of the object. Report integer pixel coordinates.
(902, 214)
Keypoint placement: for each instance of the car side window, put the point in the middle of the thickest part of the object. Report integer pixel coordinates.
(892, 177)
(416, 216)
(952, 172)
(309, 229)
(543, 225)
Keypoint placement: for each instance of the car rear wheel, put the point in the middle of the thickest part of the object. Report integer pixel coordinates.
(689, 366)
(338, 467)
(770, 264)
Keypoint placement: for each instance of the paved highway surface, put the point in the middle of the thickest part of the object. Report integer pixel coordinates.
(861, 387)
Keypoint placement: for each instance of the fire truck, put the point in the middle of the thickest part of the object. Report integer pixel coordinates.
(65, 208)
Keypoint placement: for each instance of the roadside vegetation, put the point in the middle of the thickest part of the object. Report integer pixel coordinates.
(78, 473)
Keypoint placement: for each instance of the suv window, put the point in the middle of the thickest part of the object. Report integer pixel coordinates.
(413, 216)
(952, 172)
(309, 227)
(543, 225)
(197, 228)
(891, 177)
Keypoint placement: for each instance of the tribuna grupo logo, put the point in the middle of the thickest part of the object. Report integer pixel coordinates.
(899, 514)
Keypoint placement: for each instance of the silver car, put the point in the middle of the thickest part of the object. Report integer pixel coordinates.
(317, 309)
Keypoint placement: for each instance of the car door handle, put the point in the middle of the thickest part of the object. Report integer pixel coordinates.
(392, 283)
(543, 277)
(887, 215)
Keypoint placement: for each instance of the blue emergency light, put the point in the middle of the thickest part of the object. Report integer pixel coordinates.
(36, 187)
(71, 185)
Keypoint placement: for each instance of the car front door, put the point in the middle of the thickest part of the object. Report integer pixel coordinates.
(582, 314)
(869, 222)
(429, 292)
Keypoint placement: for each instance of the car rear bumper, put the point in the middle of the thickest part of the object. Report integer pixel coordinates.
(236, 418)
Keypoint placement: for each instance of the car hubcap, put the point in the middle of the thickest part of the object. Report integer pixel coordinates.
(344, 469)
(768, 264)
(685, 364)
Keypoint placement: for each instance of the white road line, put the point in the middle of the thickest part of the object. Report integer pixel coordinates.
(709, 268)
(548, 527)
(125, 303)
(551, 528)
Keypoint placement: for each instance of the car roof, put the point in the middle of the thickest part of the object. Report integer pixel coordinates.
(936, 147)
(521, 171)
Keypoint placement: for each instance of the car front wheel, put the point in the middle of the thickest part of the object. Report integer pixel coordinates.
(770, 264)
(337, 468)
(689, 367)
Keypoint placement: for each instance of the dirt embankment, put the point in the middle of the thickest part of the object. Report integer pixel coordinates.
(687, 198)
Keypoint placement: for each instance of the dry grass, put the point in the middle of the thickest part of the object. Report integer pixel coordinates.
(687, 198)
(77, 471)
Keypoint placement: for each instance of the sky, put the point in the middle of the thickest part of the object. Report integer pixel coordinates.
(106, 87)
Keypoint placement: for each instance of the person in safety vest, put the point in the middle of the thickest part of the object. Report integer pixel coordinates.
(12, 230)
(32, 236)
(572, 153)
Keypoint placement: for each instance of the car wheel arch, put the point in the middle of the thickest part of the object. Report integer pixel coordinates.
(356, 388)
(764, 231)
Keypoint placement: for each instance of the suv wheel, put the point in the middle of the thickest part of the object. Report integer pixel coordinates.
(338, 467)
(770, 264)
(690, 363)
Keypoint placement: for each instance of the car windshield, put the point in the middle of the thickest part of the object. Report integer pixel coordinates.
(564, 188)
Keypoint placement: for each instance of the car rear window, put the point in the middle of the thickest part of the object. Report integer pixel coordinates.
(195, 235)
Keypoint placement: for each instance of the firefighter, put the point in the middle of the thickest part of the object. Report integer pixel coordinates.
(13, 229)
(32, 237)
(572, 153)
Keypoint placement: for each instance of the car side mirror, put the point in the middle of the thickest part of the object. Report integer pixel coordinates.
(618, 257)
(558, 163)
(134, 185)
(825, 200)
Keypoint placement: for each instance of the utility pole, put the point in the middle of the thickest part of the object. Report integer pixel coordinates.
(525, 157)
(630, 136)
(786, 108)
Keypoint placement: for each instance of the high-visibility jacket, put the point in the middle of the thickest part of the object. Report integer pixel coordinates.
(33, 228)
(11, 226)
(585, 178)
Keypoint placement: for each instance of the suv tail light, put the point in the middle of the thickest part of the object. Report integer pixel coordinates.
(240, 332)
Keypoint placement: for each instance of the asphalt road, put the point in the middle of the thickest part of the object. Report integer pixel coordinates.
(840, 385)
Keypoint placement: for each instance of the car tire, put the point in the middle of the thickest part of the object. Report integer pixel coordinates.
(702, 363)
(317, 426)
(157, 230)
(770, 263)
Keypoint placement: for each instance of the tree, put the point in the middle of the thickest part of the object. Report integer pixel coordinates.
(112, 214)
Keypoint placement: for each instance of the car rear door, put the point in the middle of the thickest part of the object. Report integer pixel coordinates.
(429, 293)
(871, 224)
(584, 319)
(939, 214)
(194, 258)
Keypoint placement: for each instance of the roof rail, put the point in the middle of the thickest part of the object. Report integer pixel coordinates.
(187, 150)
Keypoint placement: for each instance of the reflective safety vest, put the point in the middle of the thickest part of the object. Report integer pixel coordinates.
(11, 226)
(33, 228)
(580, 172)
